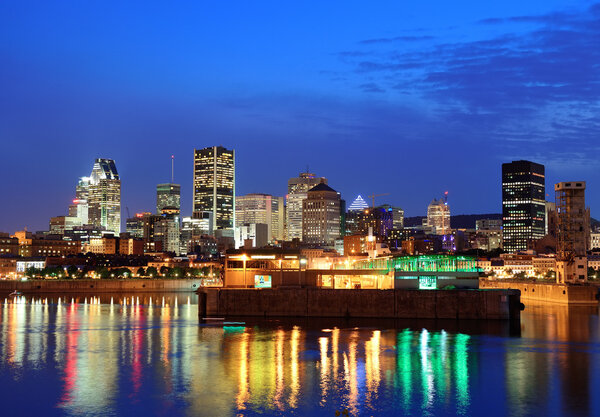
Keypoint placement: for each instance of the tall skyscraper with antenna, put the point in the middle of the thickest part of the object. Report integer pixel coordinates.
(168, 195)
(168, 205)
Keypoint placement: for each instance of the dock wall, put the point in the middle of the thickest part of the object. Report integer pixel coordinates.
(100, 285)
(547, 292)
(393, 303)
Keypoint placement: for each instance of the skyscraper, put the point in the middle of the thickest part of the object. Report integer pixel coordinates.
(214, 185)
(168, 195)
(438, 216)
(103, 189)
(359, 204)
(523, 204)
(261, 209)
(297, 192)
(321, 215)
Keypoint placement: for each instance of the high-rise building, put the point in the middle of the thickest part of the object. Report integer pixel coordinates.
(397, 216)
(135, 225)
(321, 216)
(297, 193)
(438, 216)
(359, 204)
(195, 231)
(374, 221)
(523, 204)
(103, 195)
(261, 209)
(255, 232)
(573, 232)
(166, 230)
(214, 185)
(168, 196)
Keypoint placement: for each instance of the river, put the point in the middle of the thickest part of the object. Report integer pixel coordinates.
(148, 354)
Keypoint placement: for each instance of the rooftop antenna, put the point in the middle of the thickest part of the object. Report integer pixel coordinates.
(172, 168)
(307, 170)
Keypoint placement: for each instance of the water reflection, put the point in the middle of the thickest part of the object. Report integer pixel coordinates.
(114, 354)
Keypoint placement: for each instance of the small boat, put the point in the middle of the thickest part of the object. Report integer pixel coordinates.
(15, 293)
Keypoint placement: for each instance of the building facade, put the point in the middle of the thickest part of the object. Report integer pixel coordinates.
(523, 204)
(194, 231)
(214, 185)
(438, 216)
(297, 192)
(261, 209)
(359, 204)
(321, 216)
(573, 229)
(168, 196)
(104, 195)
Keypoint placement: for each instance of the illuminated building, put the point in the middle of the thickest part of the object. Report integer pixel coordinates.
(261, 209)
(8, 245)
(60, 224)
(131, 246)
(214, 185)
(264, 268)
(438, 216)
(594, 240)
(35, 245)
(321, 216)
(572, 232)
(104, 245)
(151, 227)
(168, 195)
(257, 233)
(135, 225)
(297, 193)
(397, 216)
(488, 234)
(104, 198)
(8, 267)
(359, 204)
(80, 206)
(79, 210)
(166, 230)
(195, 233)
(378, 220)
(523, 204)
(355, 245)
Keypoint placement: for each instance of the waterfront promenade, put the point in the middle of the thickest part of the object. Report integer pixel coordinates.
(100, 285)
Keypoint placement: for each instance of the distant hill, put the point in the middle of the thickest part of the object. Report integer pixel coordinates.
(460, 221)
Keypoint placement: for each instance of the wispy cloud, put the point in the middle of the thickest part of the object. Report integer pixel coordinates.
(406, 38)
(540, 84)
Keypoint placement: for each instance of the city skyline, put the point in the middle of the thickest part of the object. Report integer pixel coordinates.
(361, 105)
(187, 211)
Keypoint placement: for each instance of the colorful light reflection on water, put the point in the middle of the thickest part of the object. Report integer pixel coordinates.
(125, 355)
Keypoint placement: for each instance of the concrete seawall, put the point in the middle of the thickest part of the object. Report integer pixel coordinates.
(399, 303)
(100, 285)
(547, 292)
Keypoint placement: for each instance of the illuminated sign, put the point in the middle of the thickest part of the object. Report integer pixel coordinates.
(427, 283)
(262, 256)
(262, 281)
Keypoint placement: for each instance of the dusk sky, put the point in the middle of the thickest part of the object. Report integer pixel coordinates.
(407, 98)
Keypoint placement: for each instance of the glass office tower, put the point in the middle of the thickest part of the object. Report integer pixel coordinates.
(214, 185)
(523, 204)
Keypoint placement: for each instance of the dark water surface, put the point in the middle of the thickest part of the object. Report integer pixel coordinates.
(148, 355)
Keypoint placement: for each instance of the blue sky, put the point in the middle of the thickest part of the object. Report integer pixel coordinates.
(409, 98)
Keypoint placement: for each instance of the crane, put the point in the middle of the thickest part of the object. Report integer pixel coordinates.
(372, 197)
